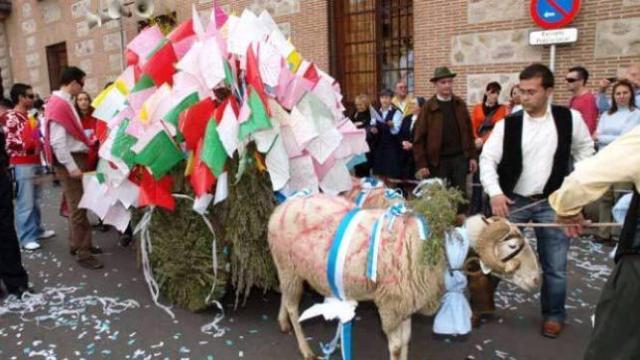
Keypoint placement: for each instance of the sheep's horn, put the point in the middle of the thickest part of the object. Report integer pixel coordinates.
(485, 244)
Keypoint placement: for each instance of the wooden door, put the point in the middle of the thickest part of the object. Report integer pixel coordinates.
(56, 61)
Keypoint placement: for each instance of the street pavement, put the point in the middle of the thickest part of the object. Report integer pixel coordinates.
(109, 314)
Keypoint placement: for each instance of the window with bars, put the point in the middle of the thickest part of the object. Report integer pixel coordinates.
(373, 45)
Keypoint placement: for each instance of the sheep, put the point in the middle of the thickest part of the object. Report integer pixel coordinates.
(300, 234)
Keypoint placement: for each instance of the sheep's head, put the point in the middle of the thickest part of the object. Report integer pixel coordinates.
(503, 249)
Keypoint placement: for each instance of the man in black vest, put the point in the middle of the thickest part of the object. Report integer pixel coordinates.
(524, 160)
(11, 271)
(615, 335)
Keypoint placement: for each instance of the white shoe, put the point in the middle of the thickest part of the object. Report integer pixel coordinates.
(32, 246)
(47, 234)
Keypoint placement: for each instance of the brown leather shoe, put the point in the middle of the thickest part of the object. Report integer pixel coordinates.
(94, 251)
(552, 329)
(90, 262)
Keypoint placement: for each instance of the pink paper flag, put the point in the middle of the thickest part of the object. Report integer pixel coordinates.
(145, 42)
(323, 168)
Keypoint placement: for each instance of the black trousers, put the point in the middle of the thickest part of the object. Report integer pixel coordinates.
(615, 335)
(453, 170)
(12, 272)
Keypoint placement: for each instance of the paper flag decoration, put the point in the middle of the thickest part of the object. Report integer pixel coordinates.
(193, 122)
(259, 120)
(156, 192)
(160, 155)
(202, 179)
(213, 152)
(204, 94)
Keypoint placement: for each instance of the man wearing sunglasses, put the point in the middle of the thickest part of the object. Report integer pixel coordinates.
(67, 148)
(582, 100)
(24, 148)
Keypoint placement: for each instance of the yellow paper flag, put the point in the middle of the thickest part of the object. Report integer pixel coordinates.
(294, 59)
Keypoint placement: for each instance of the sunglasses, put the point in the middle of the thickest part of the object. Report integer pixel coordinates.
(571, 80)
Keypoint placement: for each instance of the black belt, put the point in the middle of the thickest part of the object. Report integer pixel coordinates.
(536, 197)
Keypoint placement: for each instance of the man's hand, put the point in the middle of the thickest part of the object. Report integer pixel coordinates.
(374, 130)
(500, 205)
(479, 143)
(575, 224)
(422, 173)
(473, 166)
(76, 174)
(390, 123)
(407, 145)
(603, 85)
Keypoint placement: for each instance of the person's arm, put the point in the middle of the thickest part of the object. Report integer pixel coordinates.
(603, 102)
(582, 145)
(397, 122)
(490, 158)
(420, 140)
(58, 139)
(591, 115)
(618, 162)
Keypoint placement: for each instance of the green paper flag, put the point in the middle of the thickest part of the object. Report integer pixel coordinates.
(174, 114)
(122, 144)
(145, 82)
(228, 75)
(213, 152)
(160, 155)
(258, 119)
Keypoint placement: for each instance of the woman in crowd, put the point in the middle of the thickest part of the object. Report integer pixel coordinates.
(94, 129)
(96, 132)
(387, 149)
(484, 117)
(362, 120)
(621, 117)
(514, 99)
(406, 138)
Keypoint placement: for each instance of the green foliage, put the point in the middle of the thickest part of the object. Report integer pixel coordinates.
(181, 257)
(439, 205)
(245, 216)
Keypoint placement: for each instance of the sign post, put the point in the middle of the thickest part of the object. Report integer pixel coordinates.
(553, 14)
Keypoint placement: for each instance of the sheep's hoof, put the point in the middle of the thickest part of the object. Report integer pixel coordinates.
(285, 327)
(310, 356)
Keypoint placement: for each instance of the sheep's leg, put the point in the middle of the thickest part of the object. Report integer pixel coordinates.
(283, 316)
(398, 333)
(292, 288)
(406, 337)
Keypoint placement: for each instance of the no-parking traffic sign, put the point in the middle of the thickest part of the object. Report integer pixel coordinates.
(553, 14)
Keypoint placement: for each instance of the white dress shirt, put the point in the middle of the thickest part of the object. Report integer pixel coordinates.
(62, 143)
(539, 143)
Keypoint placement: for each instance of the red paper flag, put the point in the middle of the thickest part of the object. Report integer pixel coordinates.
(182, 32)
(202, 179)
(253, 76)
(311, 74)
(161, 65)
(156, 193)
(193, 122)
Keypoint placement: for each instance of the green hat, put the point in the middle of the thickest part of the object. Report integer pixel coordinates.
(442, 72)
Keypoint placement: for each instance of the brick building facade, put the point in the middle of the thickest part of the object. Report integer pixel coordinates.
(482, 40)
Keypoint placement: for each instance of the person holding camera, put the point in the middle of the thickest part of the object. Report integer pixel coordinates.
(632, 74)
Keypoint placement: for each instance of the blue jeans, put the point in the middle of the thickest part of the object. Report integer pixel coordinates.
(553, 246)
(27, 210)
